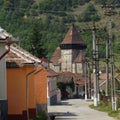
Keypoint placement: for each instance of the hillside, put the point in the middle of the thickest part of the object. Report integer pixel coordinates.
(50, 20)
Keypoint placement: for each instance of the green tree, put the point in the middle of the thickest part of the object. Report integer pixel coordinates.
(6, 4)
(90, 14)
(36, 43)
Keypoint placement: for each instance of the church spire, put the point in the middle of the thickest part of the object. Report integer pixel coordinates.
(73, 40)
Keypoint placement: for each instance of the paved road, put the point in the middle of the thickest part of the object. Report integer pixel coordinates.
(77, 109)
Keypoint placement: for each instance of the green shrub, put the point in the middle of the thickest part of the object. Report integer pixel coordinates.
(41, 116)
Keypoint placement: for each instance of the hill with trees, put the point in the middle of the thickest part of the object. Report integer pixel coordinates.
(40, 25)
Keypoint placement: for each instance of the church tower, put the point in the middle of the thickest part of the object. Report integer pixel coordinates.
(72, 51)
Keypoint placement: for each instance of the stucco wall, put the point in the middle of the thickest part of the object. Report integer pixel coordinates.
(16, 89)
(66, 56)
(41, 88)
(3, 93)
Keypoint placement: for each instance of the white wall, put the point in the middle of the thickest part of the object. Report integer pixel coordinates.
(79, 68)
(3, 82)
(56, 68)
(66, 56)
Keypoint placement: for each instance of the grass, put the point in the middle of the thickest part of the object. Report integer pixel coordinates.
(106, 107)
(114, 114)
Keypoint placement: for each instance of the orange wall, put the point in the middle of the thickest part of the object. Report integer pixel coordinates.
(16, 89)
(41, 86)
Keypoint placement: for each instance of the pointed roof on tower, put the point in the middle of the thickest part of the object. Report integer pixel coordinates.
(73, 40)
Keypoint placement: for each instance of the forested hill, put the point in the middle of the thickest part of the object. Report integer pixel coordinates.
(41, 25)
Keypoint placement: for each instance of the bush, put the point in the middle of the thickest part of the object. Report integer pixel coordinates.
(41, 116)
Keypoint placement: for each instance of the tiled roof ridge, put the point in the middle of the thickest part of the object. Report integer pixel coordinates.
(23, 54)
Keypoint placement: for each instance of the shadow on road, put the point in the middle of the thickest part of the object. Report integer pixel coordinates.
(63, 103)
(65, 118)
(62, 114)
(53, 115)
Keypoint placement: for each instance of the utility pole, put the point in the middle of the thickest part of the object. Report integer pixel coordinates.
(113, 98)
(95, 67)
(107, 68)
(110, 12)
(86, 80)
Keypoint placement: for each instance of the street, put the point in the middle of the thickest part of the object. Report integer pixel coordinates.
(76, 109)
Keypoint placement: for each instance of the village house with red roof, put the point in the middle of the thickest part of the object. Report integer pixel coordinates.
(27, 84)
(30, 82)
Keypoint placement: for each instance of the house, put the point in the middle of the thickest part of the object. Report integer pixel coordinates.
(28, 84)
(70, 56)
(20, 83)
(46, 88)
(5, 39)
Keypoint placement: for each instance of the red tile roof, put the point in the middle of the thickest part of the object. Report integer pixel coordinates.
(73, 37)
(13, 58)
(51, 73)
(20, 56)
(69, 76)
(56, 57)
(79, 58)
